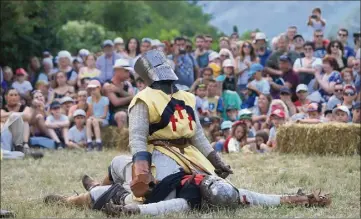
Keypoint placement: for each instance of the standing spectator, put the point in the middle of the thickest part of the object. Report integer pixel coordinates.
(119, 46)
(225, 54)
(224, 43)
(337, 97)
(65, 65)
(82, 96)
(356, 113)
(208, 43)
(258, 85)
(106, 61)
(201, 54)
(47, 72)
(316, 21)
(302, 101)
(246, 59)
(215, 103)
(58, 125)
(273, 61)
(33, 69)
(120, 93)
(77, 133)
(83, 53)
(61, 88)
(259, 112)
(305, 67)
(132, 49)
(335, 49)
(253, 35)
(262, 51)
(146, 45)
(341, 114)
(185, 65)
(299, 45)
(320, 44)
(325, 82)
(98, 114)
(235, 49)
(21, 85)
(342, 36)
(347, 76)
(66, 103)
(291, 33)
(89, 70)
(277, 118)
(234, 37)
(207, 76)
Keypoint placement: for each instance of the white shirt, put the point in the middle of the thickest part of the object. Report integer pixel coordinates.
(317, 25)
(76, 135)
(300, 62)
(233, 146)
(23, 87)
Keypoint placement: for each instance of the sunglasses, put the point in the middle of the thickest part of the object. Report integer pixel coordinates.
(247, 46)
(348, 93)
(335, 46)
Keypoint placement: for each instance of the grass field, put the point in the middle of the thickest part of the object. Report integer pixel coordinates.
(25, 182)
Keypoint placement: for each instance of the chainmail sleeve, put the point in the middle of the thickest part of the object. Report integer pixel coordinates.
(199, 140)
(138, 127)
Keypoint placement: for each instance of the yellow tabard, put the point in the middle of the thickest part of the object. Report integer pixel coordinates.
(173, 117)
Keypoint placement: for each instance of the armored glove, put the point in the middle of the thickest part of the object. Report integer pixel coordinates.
(221, 169)
(142, 179)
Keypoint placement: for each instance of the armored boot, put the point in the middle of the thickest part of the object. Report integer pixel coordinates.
(115, 194)
(315, 199)
(118, 210)
(82, 200)
(89, 183)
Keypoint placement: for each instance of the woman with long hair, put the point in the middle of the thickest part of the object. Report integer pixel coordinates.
(335, 49)
(60, 88)
(246, 59)
(89, 70)
(132, 47)
(260, 111)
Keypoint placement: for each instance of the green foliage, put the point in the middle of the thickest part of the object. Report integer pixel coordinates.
(247, 34)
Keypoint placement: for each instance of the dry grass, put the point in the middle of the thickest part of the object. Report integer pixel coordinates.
(25, 182)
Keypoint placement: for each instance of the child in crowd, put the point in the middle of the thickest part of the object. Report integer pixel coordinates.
(215, 103)
(98, 114)
(201, 100)
(66, 103)
(23, 86)
(226, 133)
(206, 125)
(341, 114)
(314, 114)
(247, 100)
(258, 85)
(246, 116)
(228, 77)
(261, 142)
(81, 98)
(356, 118)
(238, 140)
(232, 113)
(278, 118)
(77, 133)
(58, 125)
(207, 76)
(347, 76)
(302, 102)
(215, 63)
(139, 84)
(328, 116)
(42, 86)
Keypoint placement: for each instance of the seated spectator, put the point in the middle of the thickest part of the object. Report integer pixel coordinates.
(314, 114)
(66, 103)
(60, 88)
(58, 125)
(258, 85)
(260, 146)
(226, 133)
(356, 118)
(237, 142)
(120, 93)
(347, 76)
(201, 100)
(328, 116)
(207, 75)
(231, 113)
(65, 65)
(302, 101)
(341, 114)
(43, 87)
(77, 64)
(215, 103)
(77, 133)
(206, 124)
(285, 94)
(83, 53)
(335, 49)
(247, 58)
(299, 45)
(305, 67)
(246, 116)
(39, 114)
(47, 72)
(278, 118)
(326, 81)
(81, 104)
(226, 54)
(23, 86)
(33, 69)
(228, 78)
(89, 70)
(98, 115)
(320, 44)
(259, 112)
(262, 51)
(140, 85)
(337, 97)
(215, 63)
(349, 96)
(316, 21)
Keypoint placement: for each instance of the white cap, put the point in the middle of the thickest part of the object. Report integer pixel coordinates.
(260, 36)
(342, 108)
(244, 112)
(212, 56)
(123, 63)
(65, 54)
(228, 63)
(182, 87)
(66, 99)
(301, 87)
(83, 52)
(79, 112)
(118, 40)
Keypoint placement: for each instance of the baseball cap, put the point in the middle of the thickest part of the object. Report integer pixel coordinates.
(312, 107)
(228, 63)
(94, 84)
(213, 55)
(108, 43)
(79, 112)
(285, 58)
(118, 40)
(20, 71)
(349, 89)
(205, 121)
(356, 105)
(148, 40)
(342, 108)
(244, 112)
(260, 36)
(55, 104)
(279, 113)
(255, 68)
(123, 63)
(226, 125)
(301, 87)
(285, 90)
(66, 99)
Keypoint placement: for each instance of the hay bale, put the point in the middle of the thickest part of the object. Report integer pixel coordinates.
(328, 138)
(115, 138)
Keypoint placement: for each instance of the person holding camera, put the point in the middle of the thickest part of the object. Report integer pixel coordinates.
(316, 21)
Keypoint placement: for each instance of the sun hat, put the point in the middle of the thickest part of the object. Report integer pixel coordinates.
(123, 63)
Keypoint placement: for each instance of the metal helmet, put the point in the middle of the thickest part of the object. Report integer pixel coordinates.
(218, 192)
(154, 66)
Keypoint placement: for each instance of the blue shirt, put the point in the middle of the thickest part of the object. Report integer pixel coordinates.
(262, 86)
(184, 69)
(320, 52)
(348, 51)
(263, 58)
(105, 65)
(202, 60)
(98, 108)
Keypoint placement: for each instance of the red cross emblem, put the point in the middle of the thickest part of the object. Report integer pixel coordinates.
(173, 120)
(179, 110)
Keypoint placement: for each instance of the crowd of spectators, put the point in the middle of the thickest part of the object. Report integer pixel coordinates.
(244, 90)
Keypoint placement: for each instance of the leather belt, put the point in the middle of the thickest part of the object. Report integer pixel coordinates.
(179, 143)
